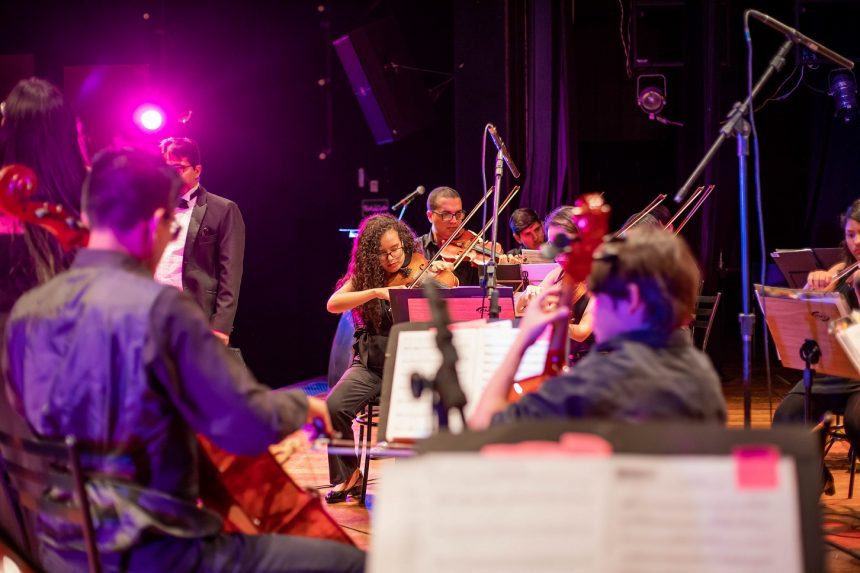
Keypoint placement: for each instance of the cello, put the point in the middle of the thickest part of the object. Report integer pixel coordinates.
(252, 494)
(591, 217)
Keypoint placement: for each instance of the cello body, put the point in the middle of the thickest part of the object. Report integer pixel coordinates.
(253, 494)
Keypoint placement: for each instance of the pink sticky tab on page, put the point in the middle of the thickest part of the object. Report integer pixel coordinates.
(756, 467)
(569, 444)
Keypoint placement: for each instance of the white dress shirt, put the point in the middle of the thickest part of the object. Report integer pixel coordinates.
(169, 269)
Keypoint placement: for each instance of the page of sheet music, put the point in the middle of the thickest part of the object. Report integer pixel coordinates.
(674, 514)
(463, 512)
(460, 512)
(479, 353)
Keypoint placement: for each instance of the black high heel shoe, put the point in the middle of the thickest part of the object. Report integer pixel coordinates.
(340, 496)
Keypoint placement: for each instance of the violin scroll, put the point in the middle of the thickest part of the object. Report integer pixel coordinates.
(17, 187)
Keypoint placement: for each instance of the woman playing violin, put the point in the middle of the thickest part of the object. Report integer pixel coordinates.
(827, 280)
(829, 393)
(559, 222)
(382, 248)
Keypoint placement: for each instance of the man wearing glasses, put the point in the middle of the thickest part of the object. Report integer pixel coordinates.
(445, 213)
(644, 366)
(206, 256)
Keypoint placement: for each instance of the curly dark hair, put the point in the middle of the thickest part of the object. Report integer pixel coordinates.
(365, 269)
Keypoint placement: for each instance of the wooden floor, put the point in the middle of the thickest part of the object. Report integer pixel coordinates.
(310, 469)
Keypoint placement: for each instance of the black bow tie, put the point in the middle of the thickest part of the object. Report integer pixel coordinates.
(184, 203)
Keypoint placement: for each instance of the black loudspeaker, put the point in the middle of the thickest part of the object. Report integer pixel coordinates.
(391, 95)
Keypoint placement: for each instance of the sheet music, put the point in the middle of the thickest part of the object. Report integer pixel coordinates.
(849, 340)
(488, 515)
(675, 514)
(618, 514)
(479, 352)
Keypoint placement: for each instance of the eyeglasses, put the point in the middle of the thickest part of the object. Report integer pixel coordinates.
(445, 216)
(393, 253)
(179, 167)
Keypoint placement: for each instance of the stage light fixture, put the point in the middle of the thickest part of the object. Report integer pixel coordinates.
(149, 117)
(843, 88)
(651, 90)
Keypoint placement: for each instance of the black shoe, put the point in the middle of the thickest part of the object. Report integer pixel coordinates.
(827, 485)
(340, 496)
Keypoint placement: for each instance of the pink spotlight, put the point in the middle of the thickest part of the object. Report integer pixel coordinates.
(149, 117)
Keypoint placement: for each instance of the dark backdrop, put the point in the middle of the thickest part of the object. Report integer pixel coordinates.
(251, 73)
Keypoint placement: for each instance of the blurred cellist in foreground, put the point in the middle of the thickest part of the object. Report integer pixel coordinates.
(643, 366)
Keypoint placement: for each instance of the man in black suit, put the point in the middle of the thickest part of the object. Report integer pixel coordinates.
(206, 258)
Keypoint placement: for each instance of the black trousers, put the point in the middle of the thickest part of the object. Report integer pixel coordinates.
(231, 552)
(790, 410)
(358, 386)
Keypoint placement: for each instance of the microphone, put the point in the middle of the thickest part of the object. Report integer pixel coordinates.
(408, 199)
(500, 145)
(551, 249)
(798, 38)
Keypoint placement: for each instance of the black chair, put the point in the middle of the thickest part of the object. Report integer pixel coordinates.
(836, 433)
(367, 419)
(703, 319)
(45, 477)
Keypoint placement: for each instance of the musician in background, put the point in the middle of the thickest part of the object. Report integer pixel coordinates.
(527, 229)
(559, 223)
(644, 366)
(40, 130)
(381, 248)
(445, 213)
(207, 256)
(141, 374)
(830, 393)
(658, 217)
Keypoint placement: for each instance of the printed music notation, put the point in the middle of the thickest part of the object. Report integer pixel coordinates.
(479, 350)
(617, 514)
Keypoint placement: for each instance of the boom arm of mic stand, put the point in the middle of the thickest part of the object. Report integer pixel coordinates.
(735, 119)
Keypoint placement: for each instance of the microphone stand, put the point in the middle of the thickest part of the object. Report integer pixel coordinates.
(490, 268)
(736, 125)
(403, 210)
(447, 392)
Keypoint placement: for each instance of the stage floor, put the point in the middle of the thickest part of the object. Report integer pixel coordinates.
(309, 468)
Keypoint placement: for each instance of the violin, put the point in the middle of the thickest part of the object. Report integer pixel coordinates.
(17, 187)
(478, 253)
(591, 217)
(414, 270)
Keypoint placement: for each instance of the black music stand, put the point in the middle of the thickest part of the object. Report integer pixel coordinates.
(799, 322)
(795, 265)
(464, 303)
(674, 439)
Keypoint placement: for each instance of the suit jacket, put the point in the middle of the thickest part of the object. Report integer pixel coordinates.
(213, 258)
